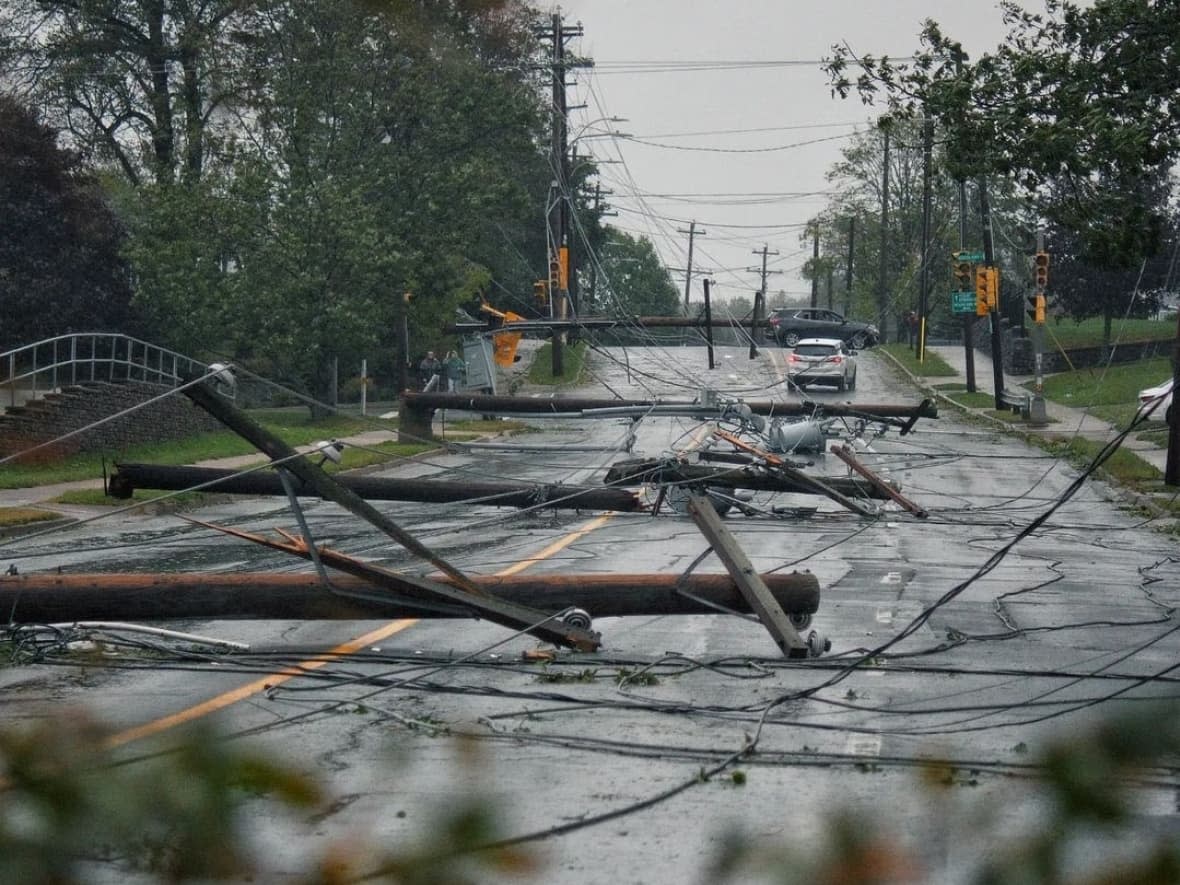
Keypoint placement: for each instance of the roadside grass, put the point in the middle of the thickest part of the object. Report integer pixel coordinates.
(980, 399)
(1110, 394)
(13, 516)
(573, 358)
(1124, 466)
(291, 427)
(1088, 333)
(933, 366)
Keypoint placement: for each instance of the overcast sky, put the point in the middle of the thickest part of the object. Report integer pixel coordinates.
(732, 120)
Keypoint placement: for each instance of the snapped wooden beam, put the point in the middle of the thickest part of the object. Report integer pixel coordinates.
(749, 582)
(781, 466)
(846, 455)
(516, 617)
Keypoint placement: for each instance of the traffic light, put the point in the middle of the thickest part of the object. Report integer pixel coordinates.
(541, 292)
(1036, 307)
(1041, 270)
(962, 272)
(993, 288)
(982, 306)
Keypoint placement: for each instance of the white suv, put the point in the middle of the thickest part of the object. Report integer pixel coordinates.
(822, 361)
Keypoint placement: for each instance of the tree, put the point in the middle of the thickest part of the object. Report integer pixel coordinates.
(632, 280)
(60, 267)
(1076, 106)
(145, 86)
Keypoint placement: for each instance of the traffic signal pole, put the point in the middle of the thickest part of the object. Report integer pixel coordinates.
(1036, 412)
(989, 259)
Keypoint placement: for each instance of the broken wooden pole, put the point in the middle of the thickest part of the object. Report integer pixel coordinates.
(748, 581)
(574, 405)
(844, 453)
(780, 465)
(517, 617)
(129, 477)
(54, 598)
(642, 471)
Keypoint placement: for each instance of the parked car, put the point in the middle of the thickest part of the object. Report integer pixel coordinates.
(822, 361)
(1161, 394)
(792, 324)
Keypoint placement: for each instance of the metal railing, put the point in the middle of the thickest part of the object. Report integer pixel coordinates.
(35, 370)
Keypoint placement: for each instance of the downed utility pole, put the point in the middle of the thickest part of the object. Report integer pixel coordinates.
(129, 477)
(820, 487)
(769, 612)
(844, 453)
(656, 472)
(416, 414)
(517, 617)
(54, 598)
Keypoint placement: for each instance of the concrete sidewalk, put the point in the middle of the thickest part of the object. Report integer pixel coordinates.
(1064, 422)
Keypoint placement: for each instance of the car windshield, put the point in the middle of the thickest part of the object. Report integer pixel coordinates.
(815, 349)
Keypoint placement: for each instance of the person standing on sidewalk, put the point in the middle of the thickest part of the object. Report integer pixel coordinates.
(454, 369)
(428, 371)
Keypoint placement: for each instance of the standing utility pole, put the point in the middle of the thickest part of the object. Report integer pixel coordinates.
(882, 292)
(562, 285)
(692, 234)
(760, 296)
(599, 212)
(989, 260)
(848, 268)
(814, 268)
(924, 281)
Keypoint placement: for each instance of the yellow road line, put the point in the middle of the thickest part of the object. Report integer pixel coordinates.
(164, 723)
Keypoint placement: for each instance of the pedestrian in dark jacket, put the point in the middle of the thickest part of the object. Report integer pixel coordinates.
(428, 371)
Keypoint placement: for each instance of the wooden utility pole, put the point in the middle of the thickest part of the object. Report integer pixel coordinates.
(848, 268)
(756, 336)
(883, 269)
(464, 592)
(815, 267)
(53, 598)
(559, 204)
(924, 282)
(708, 322)
(693, 233)
(969, 319)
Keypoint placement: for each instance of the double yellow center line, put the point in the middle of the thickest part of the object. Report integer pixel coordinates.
(164, 723)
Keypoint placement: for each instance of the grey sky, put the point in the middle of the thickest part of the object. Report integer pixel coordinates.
(719, 134)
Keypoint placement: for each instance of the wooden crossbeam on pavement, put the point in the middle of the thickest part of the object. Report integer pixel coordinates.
(748, 581)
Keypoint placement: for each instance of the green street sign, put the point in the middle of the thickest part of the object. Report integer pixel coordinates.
(969, 256)
(962, 302)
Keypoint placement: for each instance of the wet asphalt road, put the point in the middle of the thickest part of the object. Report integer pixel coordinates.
(999, 653)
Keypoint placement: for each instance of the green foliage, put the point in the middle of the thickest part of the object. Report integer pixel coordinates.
(60, 267)
(1075, 107)
(632, 280)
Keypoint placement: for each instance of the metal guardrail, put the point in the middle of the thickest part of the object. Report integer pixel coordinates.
(35, 370)
(1018, 402)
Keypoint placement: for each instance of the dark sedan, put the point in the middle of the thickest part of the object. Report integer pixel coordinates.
(790, 324)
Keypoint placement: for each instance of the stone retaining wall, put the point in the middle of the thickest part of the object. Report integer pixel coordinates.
(73, 408)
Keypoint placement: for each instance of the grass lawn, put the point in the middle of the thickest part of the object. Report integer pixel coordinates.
(1110, 394)
(1088, 333)
(1124, 465)
(294, 427)
(573, 357)
(933, 366)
